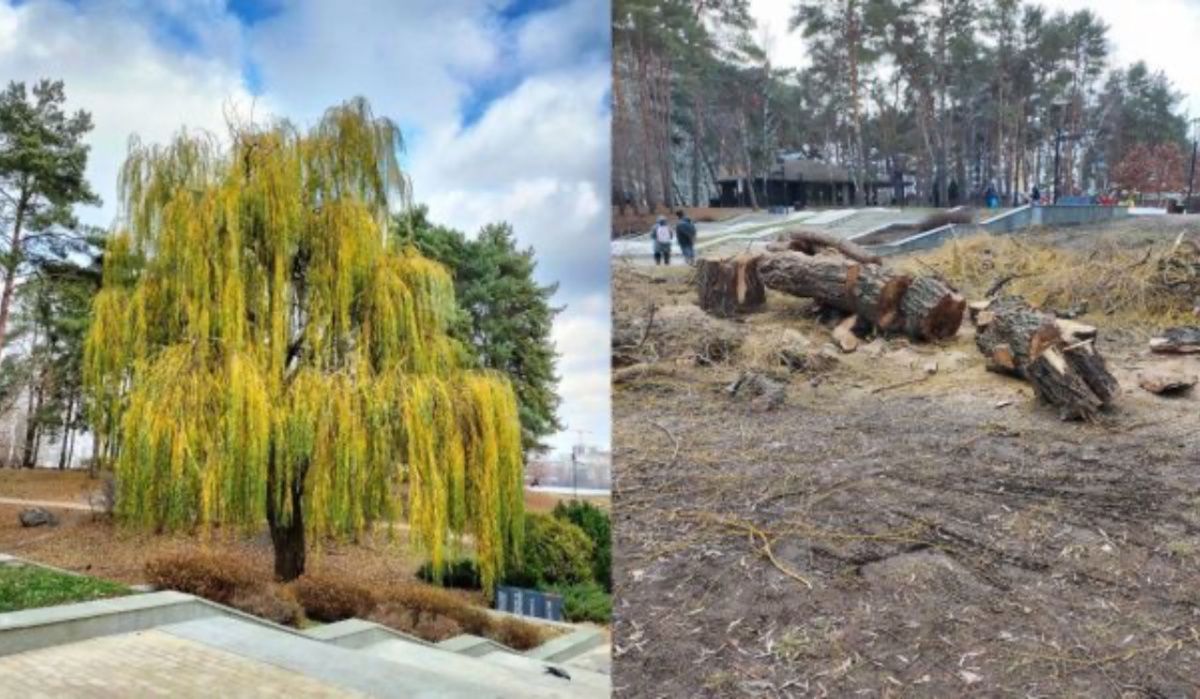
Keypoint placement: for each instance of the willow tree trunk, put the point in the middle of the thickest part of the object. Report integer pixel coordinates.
(1058, 357)
(932, 311)
(287, 532)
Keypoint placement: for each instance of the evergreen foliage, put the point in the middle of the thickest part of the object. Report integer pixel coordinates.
(505, 316)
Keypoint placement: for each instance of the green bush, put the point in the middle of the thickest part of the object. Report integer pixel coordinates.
(585, 602)
(556, 552)
(596, 523)
(462, 573)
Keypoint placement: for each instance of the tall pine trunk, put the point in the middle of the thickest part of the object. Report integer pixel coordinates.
(10, 266)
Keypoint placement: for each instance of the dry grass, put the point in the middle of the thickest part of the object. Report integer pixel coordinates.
(1145, 287)
(85, 543)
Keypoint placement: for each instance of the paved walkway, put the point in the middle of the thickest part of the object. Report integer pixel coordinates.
(150, 664)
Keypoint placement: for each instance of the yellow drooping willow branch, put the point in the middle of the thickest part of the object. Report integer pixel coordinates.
(257, 327)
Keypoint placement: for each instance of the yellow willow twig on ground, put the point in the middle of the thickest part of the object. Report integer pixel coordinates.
(756, 535)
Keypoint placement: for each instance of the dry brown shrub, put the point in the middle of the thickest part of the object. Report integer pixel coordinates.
(328, 598)
(212, 576)
(517, 634)
(269, 602)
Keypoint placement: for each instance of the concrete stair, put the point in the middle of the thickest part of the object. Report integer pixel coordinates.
(360, 657)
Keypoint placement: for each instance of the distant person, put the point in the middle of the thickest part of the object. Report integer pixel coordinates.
(662, 235)
(1035, 197)
(993, 200)
(685, 232)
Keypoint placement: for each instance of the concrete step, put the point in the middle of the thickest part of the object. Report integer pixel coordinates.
(472, 646)
(598, 659)
(568, 646)
(413, 675)
(532, 676)
(358, 633)
(579, 677)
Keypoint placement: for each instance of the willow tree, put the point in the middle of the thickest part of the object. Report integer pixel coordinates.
(261, 350)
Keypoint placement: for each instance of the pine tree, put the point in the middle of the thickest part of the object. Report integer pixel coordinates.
(506, 317)
(42, 163)
(263, 349)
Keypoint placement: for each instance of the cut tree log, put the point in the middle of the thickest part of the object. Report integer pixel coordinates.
(931, 309)
(1058, 357)
(811, 242)
(1182, 340)
(924, 308)
(729, 287)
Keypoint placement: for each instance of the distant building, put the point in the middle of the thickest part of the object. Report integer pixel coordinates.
(585, 467)
(798, 183)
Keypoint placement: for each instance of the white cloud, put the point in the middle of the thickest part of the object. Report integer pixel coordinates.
(412, 59)
(536, 157)
(143, 88)
(582, 335)
(539, 159)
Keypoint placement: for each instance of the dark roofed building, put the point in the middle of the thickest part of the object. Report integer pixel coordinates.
(798, 182)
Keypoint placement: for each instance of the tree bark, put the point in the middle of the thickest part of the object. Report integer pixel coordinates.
(30, 449)
(1058, 357)
(10, 267)
(810, 242)
(931, 309)
(287, 529)
(730, 287)
(876, 294)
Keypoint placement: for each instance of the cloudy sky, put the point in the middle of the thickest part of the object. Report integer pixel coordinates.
(1163, 33)
(503, 103)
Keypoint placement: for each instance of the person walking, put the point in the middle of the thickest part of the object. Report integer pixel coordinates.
(662, 236)
(685, 231)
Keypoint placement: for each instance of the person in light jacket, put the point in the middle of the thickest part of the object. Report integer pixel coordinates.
(662, 236)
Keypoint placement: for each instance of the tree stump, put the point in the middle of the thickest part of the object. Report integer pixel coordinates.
(729, 287)
(1058, 357)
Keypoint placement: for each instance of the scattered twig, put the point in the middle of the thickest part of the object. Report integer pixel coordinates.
(669, 433)
(881, 389)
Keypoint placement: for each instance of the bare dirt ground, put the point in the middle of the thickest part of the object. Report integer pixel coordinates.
(47, 484)
(891, 532)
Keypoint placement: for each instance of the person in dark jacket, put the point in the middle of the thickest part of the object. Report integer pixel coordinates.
(685, 233)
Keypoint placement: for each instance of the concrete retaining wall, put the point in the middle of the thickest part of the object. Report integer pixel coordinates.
(1009, 222)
